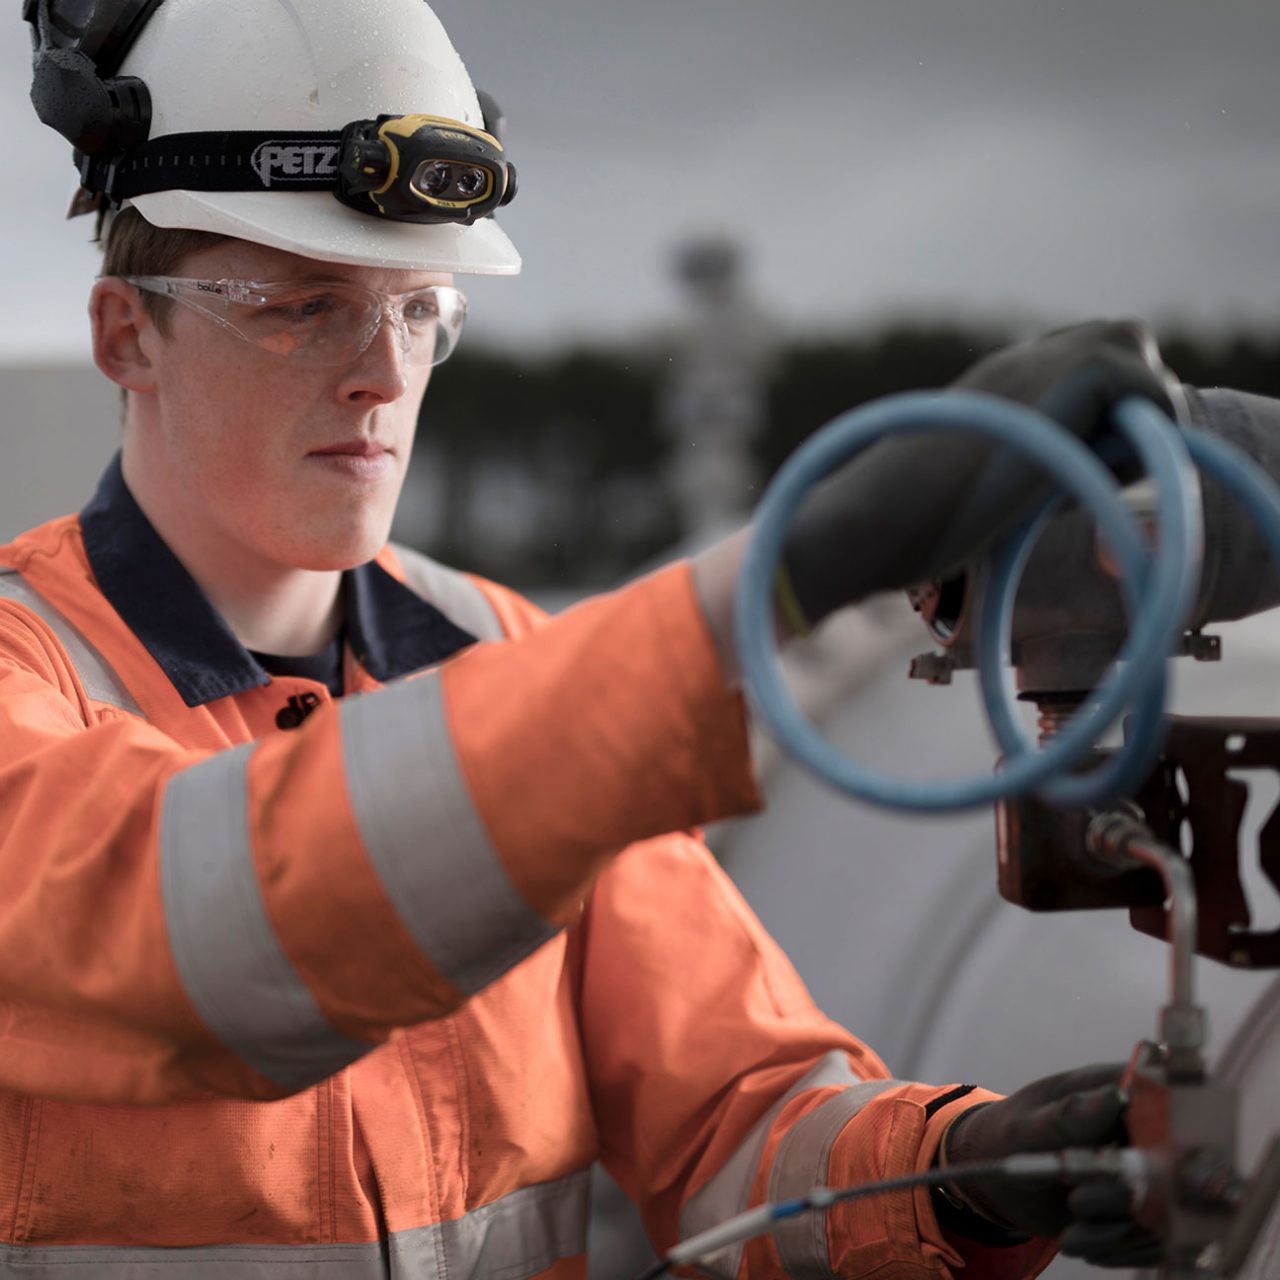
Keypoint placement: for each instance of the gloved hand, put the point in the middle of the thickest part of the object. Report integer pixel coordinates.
(914, 508)
(1080, 1108)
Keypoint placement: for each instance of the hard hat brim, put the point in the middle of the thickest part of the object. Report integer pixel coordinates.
(315, 225)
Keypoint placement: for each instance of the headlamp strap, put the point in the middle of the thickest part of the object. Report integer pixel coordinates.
(235, 160)
(415, 168)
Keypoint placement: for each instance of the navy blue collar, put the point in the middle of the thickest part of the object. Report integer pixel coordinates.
(391, 630)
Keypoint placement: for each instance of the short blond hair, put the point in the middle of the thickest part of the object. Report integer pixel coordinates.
(134, 247)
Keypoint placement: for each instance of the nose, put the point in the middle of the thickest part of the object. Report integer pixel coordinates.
(377, 375)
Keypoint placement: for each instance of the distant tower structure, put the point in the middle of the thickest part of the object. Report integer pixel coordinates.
(713, 404)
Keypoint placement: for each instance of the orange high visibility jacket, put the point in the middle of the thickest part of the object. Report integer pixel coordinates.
(364, 992)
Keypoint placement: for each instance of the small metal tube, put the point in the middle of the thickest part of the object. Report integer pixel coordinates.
(1117, 835)
(1176, 873)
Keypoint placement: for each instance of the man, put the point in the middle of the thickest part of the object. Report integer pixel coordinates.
(353, 907)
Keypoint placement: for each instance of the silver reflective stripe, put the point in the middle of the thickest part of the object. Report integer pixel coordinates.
(729, 1190)
(426, 840)
(800, 1164)
(514, 1238)
(453, 593)
(100, 682)
(228, 956)
(216, 1262)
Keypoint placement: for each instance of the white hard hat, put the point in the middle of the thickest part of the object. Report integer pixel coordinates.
(297, 67)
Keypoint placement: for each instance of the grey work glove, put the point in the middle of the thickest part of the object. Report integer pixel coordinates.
(915, 508)
(1080, 1108)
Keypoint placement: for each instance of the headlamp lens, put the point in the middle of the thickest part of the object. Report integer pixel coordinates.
(448, 182)
(472, 182)
(434, 177)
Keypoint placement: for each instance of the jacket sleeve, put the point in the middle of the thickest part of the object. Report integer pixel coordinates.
(180, 921)
(718, 1085)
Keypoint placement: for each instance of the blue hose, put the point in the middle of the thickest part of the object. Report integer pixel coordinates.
(1159, 603)
(1158, 593)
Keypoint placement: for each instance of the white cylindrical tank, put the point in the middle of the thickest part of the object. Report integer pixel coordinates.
(896, 924)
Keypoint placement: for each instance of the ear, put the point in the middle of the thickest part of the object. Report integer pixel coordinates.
(124, 335)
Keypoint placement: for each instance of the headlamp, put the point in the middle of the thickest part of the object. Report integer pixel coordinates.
(421, 168)
(414, 168)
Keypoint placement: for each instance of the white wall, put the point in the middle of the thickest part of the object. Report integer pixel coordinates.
(59, 424)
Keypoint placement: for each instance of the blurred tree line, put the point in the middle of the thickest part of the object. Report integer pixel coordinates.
(557, 472)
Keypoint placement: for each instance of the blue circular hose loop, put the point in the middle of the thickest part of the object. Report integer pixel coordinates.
(996, 597)
(1158, 605)
(1016, 426)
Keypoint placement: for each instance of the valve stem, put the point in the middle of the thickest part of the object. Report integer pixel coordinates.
(1055, 710)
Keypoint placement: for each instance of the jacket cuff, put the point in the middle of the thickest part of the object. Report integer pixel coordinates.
(898, 1234)
(1003, 1261)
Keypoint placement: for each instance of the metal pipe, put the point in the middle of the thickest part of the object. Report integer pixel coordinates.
(1118, 836)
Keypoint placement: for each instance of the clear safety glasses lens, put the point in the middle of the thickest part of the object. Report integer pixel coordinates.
(323, 322)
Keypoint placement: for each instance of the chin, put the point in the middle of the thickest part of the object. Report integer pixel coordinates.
(329, 551)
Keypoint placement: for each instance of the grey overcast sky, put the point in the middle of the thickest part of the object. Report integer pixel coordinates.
(1049, 159)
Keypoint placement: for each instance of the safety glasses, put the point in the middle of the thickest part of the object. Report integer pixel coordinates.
(322, 322)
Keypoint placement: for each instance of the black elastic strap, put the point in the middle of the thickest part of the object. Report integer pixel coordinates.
(229, 160)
